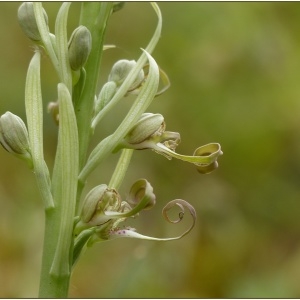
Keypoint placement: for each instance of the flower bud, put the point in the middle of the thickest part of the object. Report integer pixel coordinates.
(80, 45)
(97, 201)
(120, 71)
(53, 109)
(91, 202)
(105, 95)
(148, 125)
(14, 136)
(27, 21)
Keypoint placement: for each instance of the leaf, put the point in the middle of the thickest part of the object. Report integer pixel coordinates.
(68, 148)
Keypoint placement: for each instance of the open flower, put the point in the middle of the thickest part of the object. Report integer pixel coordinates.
(103, 211)
(103, 204)
(149, 133)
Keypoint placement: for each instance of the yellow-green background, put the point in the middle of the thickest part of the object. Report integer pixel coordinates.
(235, 74)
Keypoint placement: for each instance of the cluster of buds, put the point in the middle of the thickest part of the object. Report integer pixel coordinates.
(80, 42)
(118, 74)
(79, 45)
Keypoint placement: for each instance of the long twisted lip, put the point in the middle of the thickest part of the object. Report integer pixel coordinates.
(203, 156)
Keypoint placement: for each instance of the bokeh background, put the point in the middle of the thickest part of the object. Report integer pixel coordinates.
(235, 74)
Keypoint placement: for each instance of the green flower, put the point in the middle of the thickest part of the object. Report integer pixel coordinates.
(103, 204)
(103, 210)
(149, 133)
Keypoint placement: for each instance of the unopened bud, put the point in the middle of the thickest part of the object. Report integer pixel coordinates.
(27, 21)
(148, 125)
(80, 45)
(120, 71)
(97, 201)
(53, 109)
(14, 136)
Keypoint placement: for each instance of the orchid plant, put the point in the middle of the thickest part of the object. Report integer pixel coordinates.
(73, 220)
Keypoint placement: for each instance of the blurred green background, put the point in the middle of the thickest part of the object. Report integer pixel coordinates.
(235, 74)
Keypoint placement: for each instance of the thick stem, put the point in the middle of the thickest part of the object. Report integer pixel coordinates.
(52, 286)
(58, 242)
(121, 169)
(94, 16)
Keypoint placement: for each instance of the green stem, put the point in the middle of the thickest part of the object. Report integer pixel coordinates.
(58, 242)
(121, 168)
(52, 286)
(94, 15)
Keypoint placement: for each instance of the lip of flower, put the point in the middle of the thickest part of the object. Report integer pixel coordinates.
(193, 159)
(141, 194)
(130, 232)
(203, 157)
